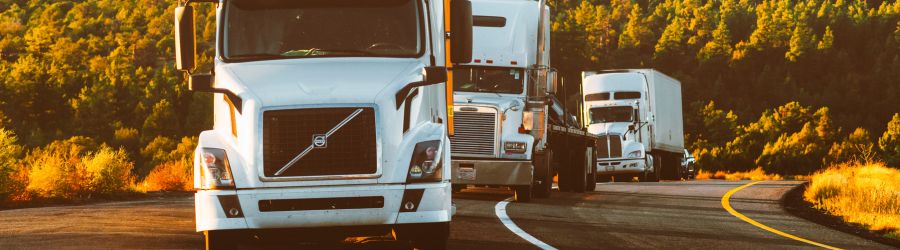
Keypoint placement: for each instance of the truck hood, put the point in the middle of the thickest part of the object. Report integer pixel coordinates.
(608, 128)
(320, 80)
(502, 101)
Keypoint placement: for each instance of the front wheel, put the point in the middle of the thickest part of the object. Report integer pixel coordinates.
(220, 240)
(425, 236)
(523, 193)
(649, 176)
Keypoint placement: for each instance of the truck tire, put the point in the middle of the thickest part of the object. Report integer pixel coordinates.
(425, 236)
(522, 193)
(216, 240)
(590, 164)
(457, 187)
(648, 176)
(544, 173)
(577, 171)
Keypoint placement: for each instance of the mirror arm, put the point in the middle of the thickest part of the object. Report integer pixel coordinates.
(206, 81)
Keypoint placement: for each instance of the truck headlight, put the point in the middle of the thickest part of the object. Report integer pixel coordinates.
(515, 147)
(425, 165)
(215, 172)
(635, 154)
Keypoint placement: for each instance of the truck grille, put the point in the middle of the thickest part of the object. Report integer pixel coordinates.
(474, 133)
(349, 150)
(610, 146)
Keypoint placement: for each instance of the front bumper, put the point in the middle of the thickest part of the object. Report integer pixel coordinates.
(621, 166)
(492, 172)
(213, 209)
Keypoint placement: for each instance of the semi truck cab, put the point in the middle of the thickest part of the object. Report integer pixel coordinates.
(327, 115)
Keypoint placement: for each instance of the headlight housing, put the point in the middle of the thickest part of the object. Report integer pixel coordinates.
(215, 171)
(636, 154)
(515, 147)
(425, 165)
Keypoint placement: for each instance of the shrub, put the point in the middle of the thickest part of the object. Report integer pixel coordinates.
(109, 171)
(56, 171)
(75, 167)
(169, 176)
(867, 194)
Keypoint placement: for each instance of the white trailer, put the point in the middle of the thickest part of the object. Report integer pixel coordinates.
(507, 134)
(329, 116)
(638, 115)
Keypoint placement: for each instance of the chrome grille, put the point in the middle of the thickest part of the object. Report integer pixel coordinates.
(350, 150)
(610, 146)
(474, 133)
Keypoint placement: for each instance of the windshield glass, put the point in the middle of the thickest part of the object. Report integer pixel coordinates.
(275, 29)
(488, 79)
(611, 114)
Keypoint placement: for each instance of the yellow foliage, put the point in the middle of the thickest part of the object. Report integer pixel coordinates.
(866, 194)
(757, 174)
(169, 176)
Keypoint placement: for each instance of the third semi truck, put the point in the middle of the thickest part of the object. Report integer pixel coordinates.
(637, 114)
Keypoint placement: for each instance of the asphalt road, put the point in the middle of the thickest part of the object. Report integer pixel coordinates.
(670, 215)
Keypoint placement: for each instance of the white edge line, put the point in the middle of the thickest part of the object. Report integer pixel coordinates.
(500, 209)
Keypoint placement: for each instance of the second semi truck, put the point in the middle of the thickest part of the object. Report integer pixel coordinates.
(507, 131)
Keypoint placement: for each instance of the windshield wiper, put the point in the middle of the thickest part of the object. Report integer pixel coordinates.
(257, 56)
(324, 52)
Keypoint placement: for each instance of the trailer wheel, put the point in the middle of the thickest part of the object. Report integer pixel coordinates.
(522, 193)
(590, 164)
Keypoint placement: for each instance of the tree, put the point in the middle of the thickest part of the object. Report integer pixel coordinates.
(889, 143)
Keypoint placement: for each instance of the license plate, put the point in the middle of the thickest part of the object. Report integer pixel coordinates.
(467, 173)
(610, 168)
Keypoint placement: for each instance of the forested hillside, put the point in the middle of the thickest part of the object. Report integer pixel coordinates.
(90, 85)
(778, 83)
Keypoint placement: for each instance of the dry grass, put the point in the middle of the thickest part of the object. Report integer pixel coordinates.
(866, 194)
(169, 176)
(756, 174)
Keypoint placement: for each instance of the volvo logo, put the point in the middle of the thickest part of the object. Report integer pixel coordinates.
(320, 141)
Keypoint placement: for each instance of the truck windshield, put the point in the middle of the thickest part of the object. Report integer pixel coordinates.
(277, 29)
(611, 114)
(488, 79)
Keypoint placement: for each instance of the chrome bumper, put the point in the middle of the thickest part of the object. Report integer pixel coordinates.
(492, 172)
(621, 166)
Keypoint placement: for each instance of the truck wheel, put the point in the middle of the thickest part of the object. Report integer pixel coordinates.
(604, 178)
(542, 163)
(578, 172)
(522, 193)
(425, 236)
(591, 178)
(220, 240)
(457, 188)
(648, 176)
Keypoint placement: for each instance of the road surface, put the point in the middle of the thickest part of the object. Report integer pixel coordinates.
(670, 215)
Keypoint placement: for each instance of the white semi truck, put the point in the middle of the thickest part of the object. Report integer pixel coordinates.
(329, 116)
(637, 114)
(511, 131)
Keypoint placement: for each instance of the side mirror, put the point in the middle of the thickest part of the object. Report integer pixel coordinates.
(185, 45)
(554, 82)
(631, 127)
(461, 31)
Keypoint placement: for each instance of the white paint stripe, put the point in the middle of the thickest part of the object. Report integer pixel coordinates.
(500, 209)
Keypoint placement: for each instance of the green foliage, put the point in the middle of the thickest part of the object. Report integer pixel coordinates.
(889, 143)
(109, 171)
(12, 182)
(857, 147)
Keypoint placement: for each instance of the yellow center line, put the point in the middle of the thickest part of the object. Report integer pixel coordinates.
(727, 205)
